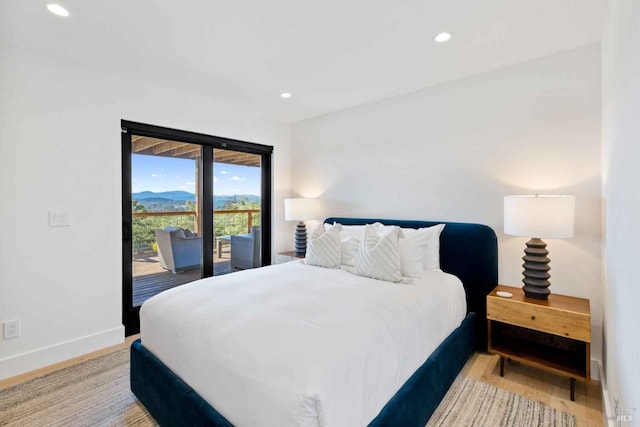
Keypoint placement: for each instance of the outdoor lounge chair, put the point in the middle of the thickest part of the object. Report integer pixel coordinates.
(245, 250)
(176, 251)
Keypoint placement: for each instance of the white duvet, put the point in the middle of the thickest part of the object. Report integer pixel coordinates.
(297, 345)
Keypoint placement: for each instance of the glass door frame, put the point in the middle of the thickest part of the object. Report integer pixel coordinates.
(130, 314)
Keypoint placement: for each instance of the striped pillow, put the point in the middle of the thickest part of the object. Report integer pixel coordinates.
(350, 237)
(323, 248)
(379, 255)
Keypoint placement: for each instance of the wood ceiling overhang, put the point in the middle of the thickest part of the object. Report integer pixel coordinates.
(165, 148)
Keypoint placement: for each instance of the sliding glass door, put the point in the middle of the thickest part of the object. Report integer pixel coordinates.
(237, 204)
(165, 224)
(194, 206)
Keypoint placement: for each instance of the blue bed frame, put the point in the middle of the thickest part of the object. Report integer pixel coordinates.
(470, 251)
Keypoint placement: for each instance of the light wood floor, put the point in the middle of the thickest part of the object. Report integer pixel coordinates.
(535, 384)
(545, 387)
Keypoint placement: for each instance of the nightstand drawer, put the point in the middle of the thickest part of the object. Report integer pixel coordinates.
(540, 318)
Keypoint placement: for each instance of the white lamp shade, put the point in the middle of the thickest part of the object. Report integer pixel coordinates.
(300, 209)
(550, 217)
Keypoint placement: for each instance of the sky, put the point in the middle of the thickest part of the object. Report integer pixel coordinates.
(158, 174)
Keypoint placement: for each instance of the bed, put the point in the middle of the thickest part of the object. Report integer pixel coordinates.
(167, 385)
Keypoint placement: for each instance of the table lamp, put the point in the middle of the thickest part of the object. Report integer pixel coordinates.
(300, 210)
(538, 217)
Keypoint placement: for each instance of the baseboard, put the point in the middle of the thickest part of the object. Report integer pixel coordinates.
(608, 411)
(45, 356)
(608, 405)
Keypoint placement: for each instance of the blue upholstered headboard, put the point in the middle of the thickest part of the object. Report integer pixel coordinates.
(469, 251)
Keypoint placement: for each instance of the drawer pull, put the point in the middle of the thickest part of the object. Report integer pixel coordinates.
(533, 317)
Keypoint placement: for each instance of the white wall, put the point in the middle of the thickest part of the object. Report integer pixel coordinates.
(621, 189)
(454, 151)
(60, 149)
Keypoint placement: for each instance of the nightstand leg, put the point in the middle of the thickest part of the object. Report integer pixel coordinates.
(572, 383)
(501, 366)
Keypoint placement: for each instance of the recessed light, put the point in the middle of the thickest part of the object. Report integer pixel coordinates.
(285, 95)
(57, 9)
(442, 37)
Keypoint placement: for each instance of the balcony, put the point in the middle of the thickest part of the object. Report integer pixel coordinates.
(149, 278)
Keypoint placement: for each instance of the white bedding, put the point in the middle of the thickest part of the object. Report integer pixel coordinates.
(297, 345)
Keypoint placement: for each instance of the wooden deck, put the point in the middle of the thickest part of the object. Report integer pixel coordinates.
(150, 279)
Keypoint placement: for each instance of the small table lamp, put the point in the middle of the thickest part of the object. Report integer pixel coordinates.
(541, 217)
(300, 210)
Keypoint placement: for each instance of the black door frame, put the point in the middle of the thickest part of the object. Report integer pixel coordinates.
(131, 315)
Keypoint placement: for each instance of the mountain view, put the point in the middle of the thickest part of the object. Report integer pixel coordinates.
(171, 195)
(177, 201)
(167, 184)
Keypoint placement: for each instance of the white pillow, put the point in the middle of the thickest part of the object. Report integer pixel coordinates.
(356, 229)
(413, 250)
(324, 249)
(350, 237)
(349, 246)
(412, 245)
(379, 255)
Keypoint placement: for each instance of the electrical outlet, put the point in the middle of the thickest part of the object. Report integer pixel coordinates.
(11, 329)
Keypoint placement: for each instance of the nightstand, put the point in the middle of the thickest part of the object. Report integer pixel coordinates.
(553, 334)
(283, 257)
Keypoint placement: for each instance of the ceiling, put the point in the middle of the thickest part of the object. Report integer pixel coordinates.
(330, 54)
(165, 148)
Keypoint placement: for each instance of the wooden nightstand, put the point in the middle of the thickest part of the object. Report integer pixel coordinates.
(283, 257)
(554, 334)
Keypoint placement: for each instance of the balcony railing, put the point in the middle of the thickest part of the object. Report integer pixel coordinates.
(144, 224)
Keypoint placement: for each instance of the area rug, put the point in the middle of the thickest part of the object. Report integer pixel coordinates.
(474, 403)
(96, 392)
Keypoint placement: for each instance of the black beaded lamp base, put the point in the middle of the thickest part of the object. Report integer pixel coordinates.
(536, 270)
(301, 239)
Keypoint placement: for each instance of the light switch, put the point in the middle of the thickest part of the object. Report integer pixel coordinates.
(58, 219)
